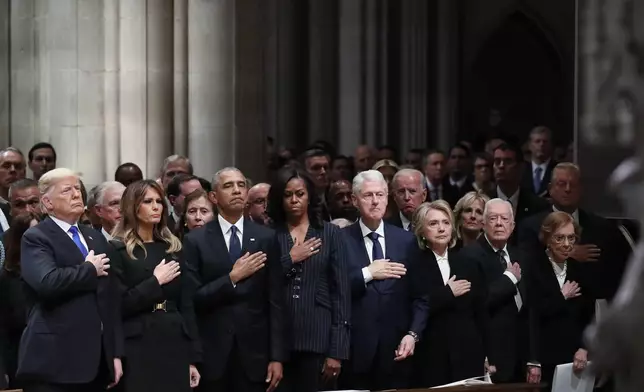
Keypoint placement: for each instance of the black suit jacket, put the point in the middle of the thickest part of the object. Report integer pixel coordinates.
(453, 346)
(601, 278)
(317, 294)
(450, 193)
(71, 310)
(509, 340)
(527, 182)
(250, 315)
(383, 311)
(559, 323)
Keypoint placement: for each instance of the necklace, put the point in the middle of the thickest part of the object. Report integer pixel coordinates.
(554, 267)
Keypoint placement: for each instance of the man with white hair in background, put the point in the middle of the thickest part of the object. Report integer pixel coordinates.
(73, 339)
(509, 349)
(383, 299)
(409, 192)
(108, 206)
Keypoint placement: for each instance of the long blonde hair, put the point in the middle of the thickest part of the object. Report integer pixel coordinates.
(126, 229)
(464, 202)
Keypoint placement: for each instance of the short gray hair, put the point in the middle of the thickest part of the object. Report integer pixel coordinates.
(541, 130)
(11, 149)
(100, 189)
(217, 177)
(20, 185)
(408, 172)
(368, 175)
(175, 158)
(497, 201)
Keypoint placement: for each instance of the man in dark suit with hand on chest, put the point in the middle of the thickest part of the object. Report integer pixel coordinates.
(73, 340)
(239, 302)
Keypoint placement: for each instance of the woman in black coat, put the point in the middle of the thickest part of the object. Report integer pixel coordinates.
(561, 309)
(452, 347)
(161, 347)
(316, 284)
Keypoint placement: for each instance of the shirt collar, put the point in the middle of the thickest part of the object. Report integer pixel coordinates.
(403, 219)
(505, 247)
(366, 231)
(225, 225)
(514, 199)
(107, 235)
(543, 166)
(431, 186)
(440, 258)
(62, 224)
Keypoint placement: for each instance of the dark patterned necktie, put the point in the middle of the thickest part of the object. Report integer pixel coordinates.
(234, 249)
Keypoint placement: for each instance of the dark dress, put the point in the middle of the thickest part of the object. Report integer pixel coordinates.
(159, 345)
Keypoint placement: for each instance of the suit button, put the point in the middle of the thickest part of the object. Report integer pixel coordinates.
(293, 270)
(296, 296)
(298, 279)
(296, 287)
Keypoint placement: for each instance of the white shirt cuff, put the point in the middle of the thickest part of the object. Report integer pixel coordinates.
(511, 276)
(366, 275)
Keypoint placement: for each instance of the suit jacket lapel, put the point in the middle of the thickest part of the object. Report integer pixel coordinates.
(363, 256)
(248, 235)
(61, 238)
(89, 238)
(218, 242)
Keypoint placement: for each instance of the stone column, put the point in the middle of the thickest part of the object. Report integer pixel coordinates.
(160, 82)
(111, 107)
(414, 88)
(132, 84)
(5, 72)
(211, 84)
(57, 81)
(323, 76)
(446, 72)
(180, 145)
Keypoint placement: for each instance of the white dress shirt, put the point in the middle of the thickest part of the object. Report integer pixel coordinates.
(406, 223)
(560, 272)
(107, 235)
(543, 167)
(3, 221)
(64, 226)
(443, 265)
(517, 297)
(368, 244)
(226, 229)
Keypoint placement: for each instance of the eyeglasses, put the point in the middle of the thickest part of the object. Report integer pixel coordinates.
(560, 238)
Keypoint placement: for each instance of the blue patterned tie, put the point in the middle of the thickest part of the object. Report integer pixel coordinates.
(77, 240)
(234, 249)
(536, 181)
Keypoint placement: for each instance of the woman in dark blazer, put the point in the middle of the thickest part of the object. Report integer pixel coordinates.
(161, 349)
(452, 347)
(316, 283)
(561, 310)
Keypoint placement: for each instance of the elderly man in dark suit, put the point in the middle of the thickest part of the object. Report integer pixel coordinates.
(389, 311)
(239, 301)
(501, 264)
(73, 339)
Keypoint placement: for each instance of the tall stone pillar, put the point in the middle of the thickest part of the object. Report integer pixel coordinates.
(5, 73)
(414, 69)
(111, 108)
(211, 84)
(180, 140)
(57, 75)
(446, 72)
(323, 76)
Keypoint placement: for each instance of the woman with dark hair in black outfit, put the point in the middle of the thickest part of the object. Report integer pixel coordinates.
(317, 287)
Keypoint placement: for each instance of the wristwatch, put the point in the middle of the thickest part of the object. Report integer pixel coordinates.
(413, 335)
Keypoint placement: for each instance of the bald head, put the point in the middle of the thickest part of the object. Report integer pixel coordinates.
(363, 158)
(256, 204)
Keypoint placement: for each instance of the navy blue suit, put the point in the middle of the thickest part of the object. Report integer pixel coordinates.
(382, 312)
(73, 323)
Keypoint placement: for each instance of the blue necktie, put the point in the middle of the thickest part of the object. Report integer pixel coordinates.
(536, 181)
(234, 249)
(376, 251)
(77, 240)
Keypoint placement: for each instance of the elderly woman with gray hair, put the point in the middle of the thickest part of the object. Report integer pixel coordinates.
(468, 217)
(452, 346)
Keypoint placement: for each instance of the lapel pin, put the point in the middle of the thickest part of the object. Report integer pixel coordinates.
(90, 238)
(252, 240)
